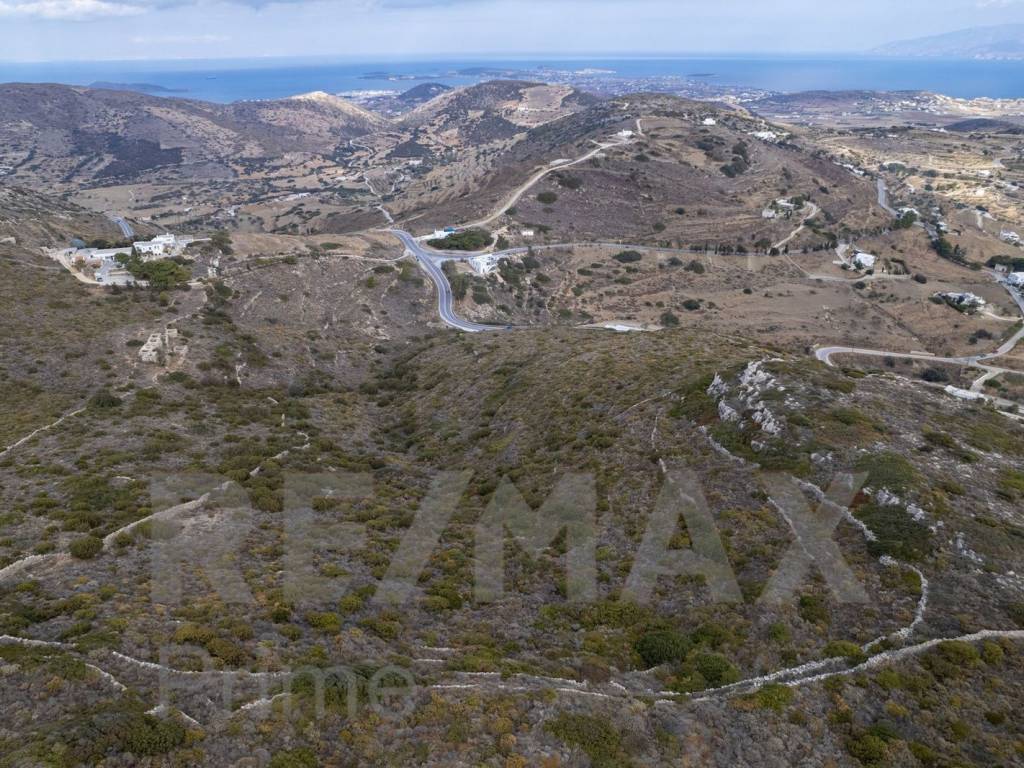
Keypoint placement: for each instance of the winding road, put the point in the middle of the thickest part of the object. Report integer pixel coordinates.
(431, 264)
(123, 225)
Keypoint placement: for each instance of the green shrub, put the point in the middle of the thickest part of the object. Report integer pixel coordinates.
(595, 736)
(897, 533)
(951, 658)
(843, 649)
(294, 758)
(104, 399)
(774, 696)
(140, 734)
(662, 647)
(868, 748)
(468, 240)
(813, 609)
(325, 622)
(715, 669)
(628, 257)
(547, 198)
(86, 548)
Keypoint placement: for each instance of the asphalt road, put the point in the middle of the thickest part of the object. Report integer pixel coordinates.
(431, 264)
(883, 198)
(125, 227)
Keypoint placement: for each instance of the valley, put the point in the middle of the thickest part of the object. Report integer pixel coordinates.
(724, 336)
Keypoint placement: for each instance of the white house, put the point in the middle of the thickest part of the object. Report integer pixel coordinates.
(1016, 279)
(864, 261)
(1009, 237)
(528, 233)
(709, 121)
(963, 301)
(160, 246)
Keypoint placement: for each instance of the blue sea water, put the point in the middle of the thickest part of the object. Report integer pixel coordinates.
(224, 81)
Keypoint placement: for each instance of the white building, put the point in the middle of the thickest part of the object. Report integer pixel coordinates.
(709, 121)
(864, 261)
(1016, 279)
(162, 246)
(528, 233)
(1009, 237)
(963, 301)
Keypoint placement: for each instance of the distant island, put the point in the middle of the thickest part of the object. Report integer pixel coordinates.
(1004, 42)
(136, 87)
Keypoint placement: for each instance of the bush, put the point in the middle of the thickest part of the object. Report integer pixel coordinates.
(774, 696)
(868, 748)
(547, 198)
(325, 622)
(691, 305)
(898, 534)
(843, 649)
(294, 758)
(716, 669)
(669, 320)
(104, 399)
(595, 736)
(86, 548)
(662, 647)
(627, 257)
(935, 376)
(812, 609)
(469, 240)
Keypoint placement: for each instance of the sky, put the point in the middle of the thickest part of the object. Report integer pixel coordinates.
(62, 30)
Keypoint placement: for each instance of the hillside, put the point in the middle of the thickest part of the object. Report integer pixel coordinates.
(53, 134)
(682, 181)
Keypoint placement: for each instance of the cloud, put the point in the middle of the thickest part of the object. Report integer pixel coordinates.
(68, 9)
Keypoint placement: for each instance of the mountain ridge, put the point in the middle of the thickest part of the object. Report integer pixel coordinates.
(1005, 41)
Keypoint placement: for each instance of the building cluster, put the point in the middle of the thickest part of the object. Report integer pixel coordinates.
(1015, 280)
(104, 265)
(1009, 237)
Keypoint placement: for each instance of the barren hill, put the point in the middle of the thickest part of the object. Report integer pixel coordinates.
(56, 133)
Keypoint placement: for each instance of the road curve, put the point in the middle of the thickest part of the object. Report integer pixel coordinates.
(883, 198)
(123, 225)
(431, 265)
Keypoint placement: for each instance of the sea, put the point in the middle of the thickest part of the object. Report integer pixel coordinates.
(237, 80)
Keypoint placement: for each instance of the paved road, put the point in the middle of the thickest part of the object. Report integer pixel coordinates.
(122, 223)
(431, 264)
(883, 198)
